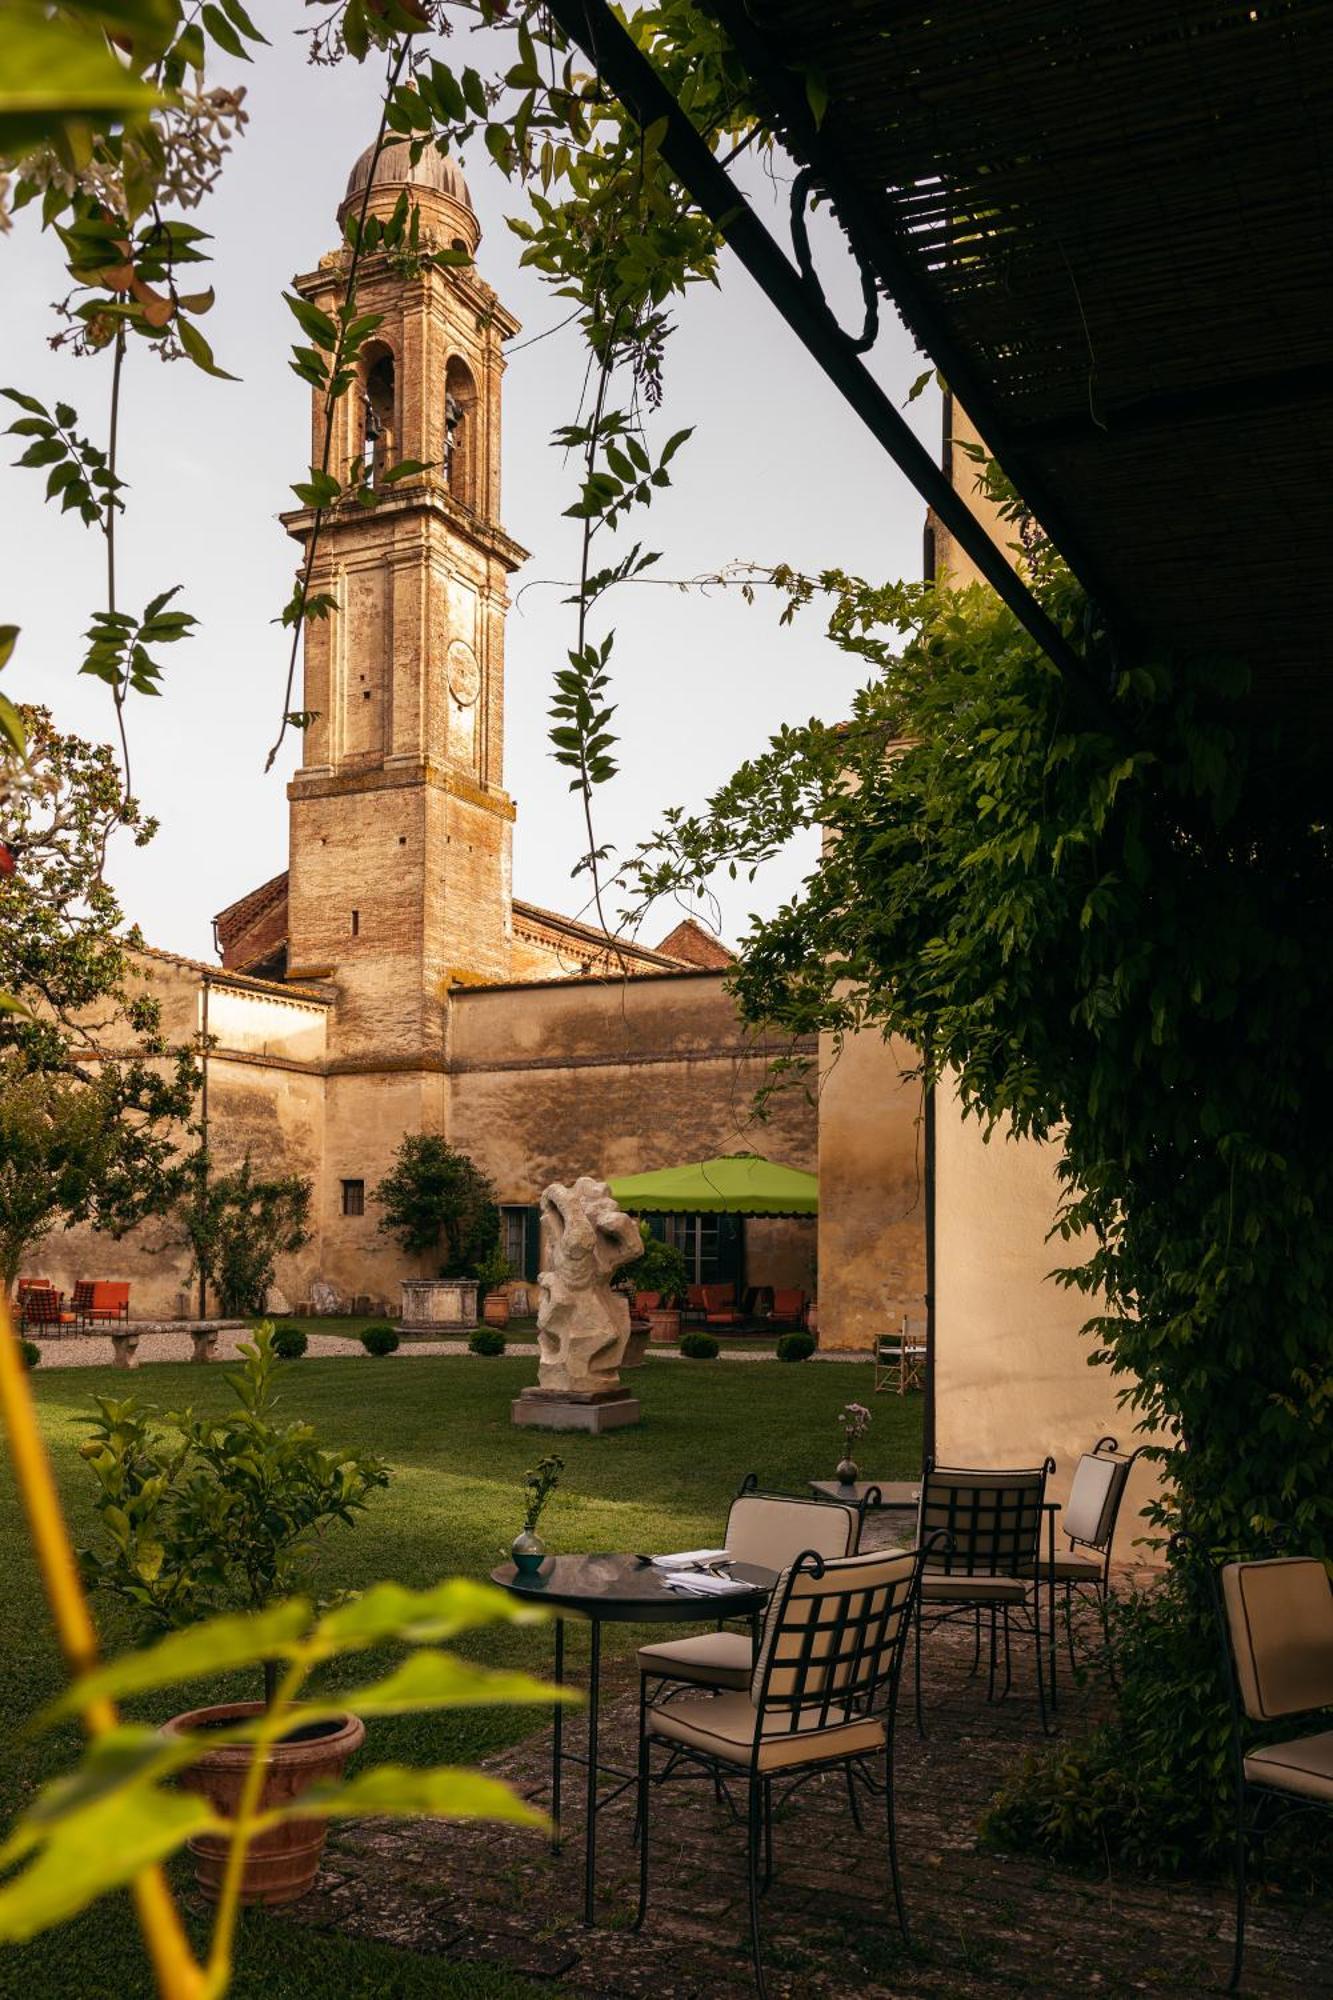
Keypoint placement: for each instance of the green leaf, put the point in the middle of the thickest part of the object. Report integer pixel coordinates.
(430, 1680)
(406, 468)
(199, 350)
(316, 324)
(223, 33)
(12, 730)
(54, 70)
(99, 1848)
(391, 1611)
(213, 1646)
(236, 13)
(400, 1792)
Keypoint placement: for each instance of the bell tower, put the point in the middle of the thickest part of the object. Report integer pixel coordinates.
(400, 878)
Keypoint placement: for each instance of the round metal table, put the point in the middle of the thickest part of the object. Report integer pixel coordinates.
(625, 1590)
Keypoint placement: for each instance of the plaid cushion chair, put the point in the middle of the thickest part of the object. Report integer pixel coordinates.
(44, 1310)
(1275, 1621)
(822, 1697)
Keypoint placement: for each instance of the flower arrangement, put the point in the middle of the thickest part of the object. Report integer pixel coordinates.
(853, 1422)
(527, 1548)
(539, 1485)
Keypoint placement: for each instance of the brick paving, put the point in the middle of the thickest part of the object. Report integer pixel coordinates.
(983, 1923)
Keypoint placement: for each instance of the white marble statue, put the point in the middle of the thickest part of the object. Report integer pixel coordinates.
(582, 1325)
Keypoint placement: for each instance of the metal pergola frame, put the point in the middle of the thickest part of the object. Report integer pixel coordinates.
(604, 40)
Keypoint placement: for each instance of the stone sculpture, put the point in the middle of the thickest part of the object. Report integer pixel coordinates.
(582, 1325)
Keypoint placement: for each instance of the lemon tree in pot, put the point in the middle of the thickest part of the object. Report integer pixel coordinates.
(660, 1272)
(202, 1515)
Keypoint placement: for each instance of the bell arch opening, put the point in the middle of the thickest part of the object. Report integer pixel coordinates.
(378, 413)
(461, 454)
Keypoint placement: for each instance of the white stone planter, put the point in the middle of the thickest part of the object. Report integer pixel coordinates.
(439, 1305)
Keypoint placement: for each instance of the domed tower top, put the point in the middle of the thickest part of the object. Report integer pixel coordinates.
(436, 183)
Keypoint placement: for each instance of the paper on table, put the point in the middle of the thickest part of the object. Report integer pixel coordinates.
(700, 1583)
(688, 1559)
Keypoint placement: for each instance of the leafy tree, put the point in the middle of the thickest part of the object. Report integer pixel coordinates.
(238, 1226)
(92, 1099)
(201, 1515)
(436, 1199)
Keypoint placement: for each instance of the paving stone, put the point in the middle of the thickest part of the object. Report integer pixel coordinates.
(983, 1923)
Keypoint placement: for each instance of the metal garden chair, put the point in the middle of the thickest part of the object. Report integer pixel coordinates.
(1275, 1619)
(1089, 1522)
(983, 1533)
(770, 1529)
(822, 1698)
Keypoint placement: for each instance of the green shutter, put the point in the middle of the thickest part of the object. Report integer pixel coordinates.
(532, 1244)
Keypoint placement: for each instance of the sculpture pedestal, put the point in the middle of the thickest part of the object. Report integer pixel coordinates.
(566, 1410)
(439, 1305)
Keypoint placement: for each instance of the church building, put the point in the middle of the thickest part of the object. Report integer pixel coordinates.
(388, 981)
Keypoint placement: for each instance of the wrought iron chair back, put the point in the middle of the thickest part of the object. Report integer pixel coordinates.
(834, 1639)
(981, 1523)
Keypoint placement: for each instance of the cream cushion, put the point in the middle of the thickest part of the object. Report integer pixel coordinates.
(1280, 1618)
(1071, 1568)
(1304, 1766)
(1094, 1498)
(940, 1589)
(772, 1531)
(725, 1727)
(713, 1659)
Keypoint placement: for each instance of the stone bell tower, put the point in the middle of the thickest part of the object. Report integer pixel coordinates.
(400, 824)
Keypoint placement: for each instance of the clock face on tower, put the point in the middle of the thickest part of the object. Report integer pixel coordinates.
(463, 672)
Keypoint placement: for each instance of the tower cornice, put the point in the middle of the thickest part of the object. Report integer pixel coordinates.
(427, 494)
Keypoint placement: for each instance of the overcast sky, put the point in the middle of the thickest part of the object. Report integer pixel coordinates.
(778, 470)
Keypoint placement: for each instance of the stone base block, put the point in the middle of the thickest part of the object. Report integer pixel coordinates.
(553, 1410)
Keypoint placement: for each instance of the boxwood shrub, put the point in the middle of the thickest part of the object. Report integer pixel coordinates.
(796, 1346)
(380, 1339)
(487, 1340)
(697, 1346)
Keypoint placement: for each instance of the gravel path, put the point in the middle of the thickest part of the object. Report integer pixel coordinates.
(175, 1343)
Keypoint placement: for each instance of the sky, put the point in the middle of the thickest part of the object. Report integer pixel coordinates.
(778, 470)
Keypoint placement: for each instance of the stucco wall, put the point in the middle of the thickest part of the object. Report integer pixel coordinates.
(1012, 1371)
(266, 1090)
(615, 1077)
(871, 1198)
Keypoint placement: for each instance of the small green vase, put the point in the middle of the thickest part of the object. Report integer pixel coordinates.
(528, 1551)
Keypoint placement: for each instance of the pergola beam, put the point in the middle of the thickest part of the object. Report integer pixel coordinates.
(645, 96)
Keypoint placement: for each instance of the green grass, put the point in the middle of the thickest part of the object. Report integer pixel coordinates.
(453, 1505)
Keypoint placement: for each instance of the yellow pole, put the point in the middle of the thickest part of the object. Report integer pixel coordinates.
(178, 1975)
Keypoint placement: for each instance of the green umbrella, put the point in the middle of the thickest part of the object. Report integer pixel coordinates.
(738, 1184)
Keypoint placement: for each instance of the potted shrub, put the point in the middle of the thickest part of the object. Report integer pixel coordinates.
(204, 1515)
(492, 1276)
(660, 1270)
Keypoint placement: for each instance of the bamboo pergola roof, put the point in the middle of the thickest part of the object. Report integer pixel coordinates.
(1112, 227)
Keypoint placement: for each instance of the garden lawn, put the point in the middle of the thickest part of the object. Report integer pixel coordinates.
(454, 1503)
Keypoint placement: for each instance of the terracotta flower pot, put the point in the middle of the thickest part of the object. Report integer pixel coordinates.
(281, 1864)
(495, 1309)
(663, 1324)
(636, 1347)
